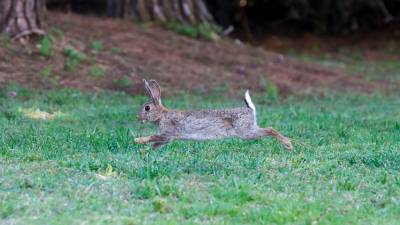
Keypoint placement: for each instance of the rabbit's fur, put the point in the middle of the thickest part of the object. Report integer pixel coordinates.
(201, 124)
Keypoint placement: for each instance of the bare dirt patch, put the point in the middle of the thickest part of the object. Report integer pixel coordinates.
(133, 52)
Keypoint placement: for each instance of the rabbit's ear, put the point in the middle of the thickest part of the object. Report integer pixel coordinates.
(156, 92)
(153, 89)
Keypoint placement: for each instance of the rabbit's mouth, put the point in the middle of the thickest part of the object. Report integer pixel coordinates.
(141, 120)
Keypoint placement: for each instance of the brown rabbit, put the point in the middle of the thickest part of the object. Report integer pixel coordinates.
(201, 124)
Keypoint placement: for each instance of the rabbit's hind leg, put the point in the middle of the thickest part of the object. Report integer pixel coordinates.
(274, 133)
(159, 144)
(152, 138)
(258, 132)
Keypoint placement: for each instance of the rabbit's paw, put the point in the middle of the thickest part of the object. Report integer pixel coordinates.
(287, 143)
(142, 140)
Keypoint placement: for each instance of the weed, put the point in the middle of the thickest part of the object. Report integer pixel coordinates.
(203, 30)
(97, 46)
(46, 46)
(74, 58)
(46, 43)
(5, 40)
(46, 72)
(183, 29)
(125, 81)
(97, 71)
(55, 80)
(208, 31)
(116, 50)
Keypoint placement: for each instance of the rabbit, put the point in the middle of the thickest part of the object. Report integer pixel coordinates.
(201, 124)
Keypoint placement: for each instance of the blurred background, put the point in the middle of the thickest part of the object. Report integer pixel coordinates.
(255, 16)
(308, 45)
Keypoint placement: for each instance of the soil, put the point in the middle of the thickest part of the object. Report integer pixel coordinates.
(381, 44)
(132, 52)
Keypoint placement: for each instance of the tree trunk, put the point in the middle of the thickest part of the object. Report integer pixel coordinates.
(20, 18)
(163, 11)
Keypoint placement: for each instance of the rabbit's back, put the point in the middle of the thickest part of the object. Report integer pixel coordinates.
(206, 124)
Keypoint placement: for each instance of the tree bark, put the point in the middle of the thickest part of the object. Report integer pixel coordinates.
(163, 11)
(20, 18)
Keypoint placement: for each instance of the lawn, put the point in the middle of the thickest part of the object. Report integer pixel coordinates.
(68, 157)
(356, 63)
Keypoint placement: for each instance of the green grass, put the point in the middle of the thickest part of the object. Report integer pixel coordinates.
(68, 158)
(203, 31)
(74, 58)
(46, 46)
(96, 71)
(356, 63)
(5, 40)
(97, 46)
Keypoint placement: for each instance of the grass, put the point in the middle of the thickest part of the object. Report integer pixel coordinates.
(68, 157)
(46, 46)
(125, 81)
(74, 58)
(46, 43)
(5, 40)
(97, 46)
(96, 71)
(355, 63)
(202, 31)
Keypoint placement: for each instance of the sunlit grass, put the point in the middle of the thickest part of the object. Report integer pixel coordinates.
(84, 167)
(38, 114)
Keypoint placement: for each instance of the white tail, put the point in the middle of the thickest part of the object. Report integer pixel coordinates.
(250, 104)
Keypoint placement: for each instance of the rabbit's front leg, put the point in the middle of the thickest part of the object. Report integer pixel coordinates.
(143, 140)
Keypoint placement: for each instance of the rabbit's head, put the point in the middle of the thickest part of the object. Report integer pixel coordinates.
(152, 111)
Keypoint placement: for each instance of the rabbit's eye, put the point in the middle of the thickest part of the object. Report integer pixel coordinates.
(147, 108)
